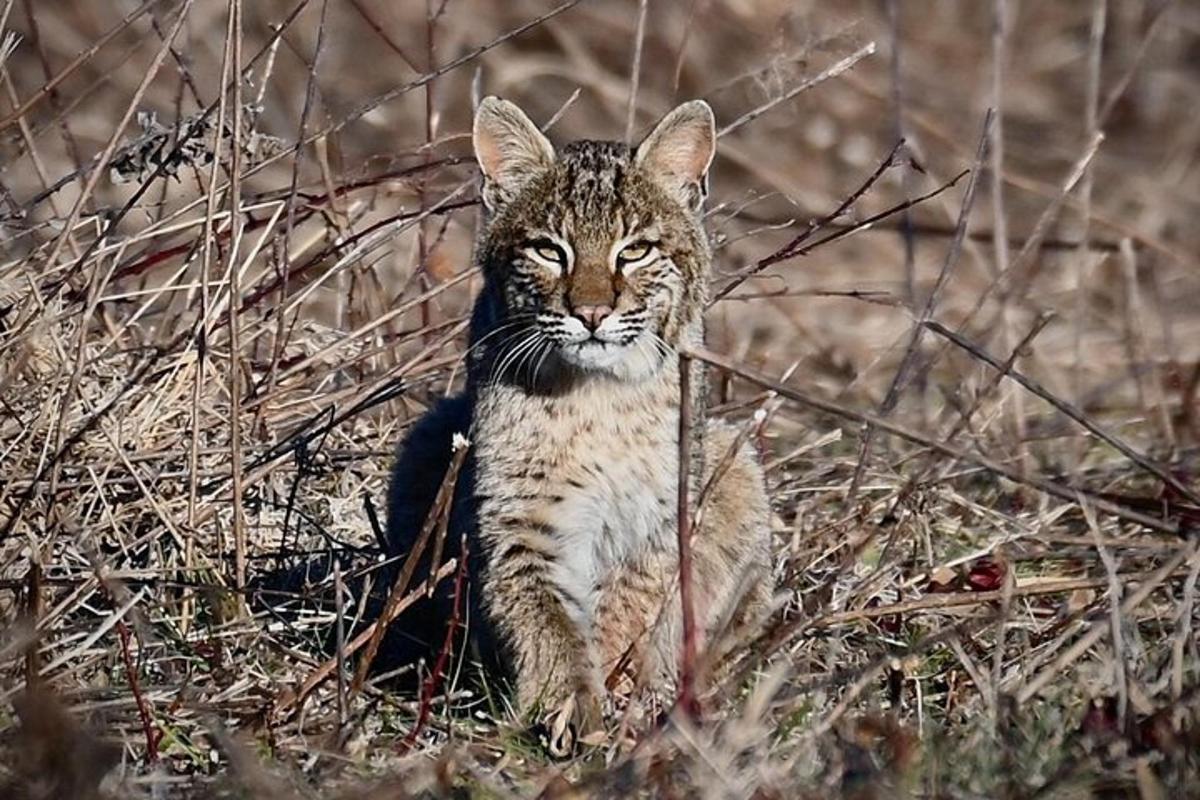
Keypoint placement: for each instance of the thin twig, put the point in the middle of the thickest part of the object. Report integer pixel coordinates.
(1097, 630)
(824, 75)
(1116, 588)
(234, 53)
(294, 698)
(900, 378)
(688, 699)
(1066, 408)
(392, 44)
(798, 245)
(68, 396)
(33, 612)
(339, 606)
(71, 441)
(35, 36)
(681, 50)
(434, 681)
(77, 62)
(1000, 242)
(635, 70)
(1044, 485)
(365, 108)
(112, 221)
(1082, 262)
(441, 507)
(310, 91)
(1183, 635)
(152, 733)
(898, 130)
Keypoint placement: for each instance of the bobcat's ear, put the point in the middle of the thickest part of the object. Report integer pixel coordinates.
(678, 151)
(509, 148)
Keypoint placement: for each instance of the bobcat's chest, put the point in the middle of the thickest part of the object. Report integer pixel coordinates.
(594, 472)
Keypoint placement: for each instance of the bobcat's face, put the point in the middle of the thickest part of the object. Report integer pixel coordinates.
(601, 262)
(597, 254)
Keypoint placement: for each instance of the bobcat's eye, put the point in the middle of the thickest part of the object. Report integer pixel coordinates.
(547, 253)
(635, 254)
(550, 252)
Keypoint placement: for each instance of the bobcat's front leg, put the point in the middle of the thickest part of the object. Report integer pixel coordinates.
(640, 616)
(548, 651)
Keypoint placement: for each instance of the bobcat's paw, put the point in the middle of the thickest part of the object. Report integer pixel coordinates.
(564, 727)
(562, 732)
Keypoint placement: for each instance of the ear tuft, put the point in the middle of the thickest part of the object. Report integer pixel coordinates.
(679, 150)
(509, 148)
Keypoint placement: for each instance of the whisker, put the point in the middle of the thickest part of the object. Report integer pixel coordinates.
(534, 356)
(503, 364)
(665, 349)
(525, 353)
(507, 324)
(542, 360)
(641, 348)
(502, 348)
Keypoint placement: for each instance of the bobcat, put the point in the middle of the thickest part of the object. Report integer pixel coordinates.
(595, 265)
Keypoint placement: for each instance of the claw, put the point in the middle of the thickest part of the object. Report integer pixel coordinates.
(561, 733)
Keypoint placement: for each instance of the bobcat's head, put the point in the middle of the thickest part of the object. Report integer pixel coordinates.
(595, 255)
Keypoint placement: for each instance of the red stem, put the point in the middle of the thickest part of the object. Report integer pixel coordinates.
(434, 681)
(153, 734)
(687, 678)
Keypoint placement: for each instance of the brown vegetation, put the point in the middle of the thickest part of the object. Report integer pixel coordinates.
(977, 394)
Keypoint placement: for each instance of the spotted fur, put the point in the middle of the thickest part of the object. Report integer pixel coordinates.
(595, 263)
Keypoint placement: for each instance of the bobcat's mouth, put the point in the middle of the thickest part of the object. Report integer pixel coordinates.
(619, 346)
(593, 351)
(627, 359)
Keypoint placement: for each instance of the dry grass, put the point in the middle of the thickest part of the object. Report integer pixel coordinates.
(991, 599)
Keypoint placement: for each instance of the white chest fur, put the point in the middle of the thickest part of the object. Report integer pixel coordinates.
(595, 468)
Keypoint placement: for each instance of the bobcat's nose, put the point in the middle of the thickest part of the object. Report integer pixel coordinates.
(592, 316)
